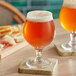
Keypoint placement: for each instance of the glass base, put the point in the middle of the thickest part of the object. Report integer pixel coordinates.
(68, 47)
(44, 63)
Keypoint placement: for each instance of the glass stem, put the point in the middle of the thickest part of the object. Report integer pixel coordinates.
(38, 58)
(72, 39)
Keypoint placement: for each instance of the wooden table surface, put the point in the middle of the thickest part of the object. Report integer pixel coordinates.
(66, 66)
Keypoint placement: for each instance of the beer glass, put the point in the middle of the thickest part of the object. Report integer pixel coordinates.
(68, 22)
(39, 32)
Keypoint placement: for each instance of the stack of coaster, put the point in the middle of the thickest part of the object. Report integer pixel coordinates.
(63, 52)
(45, 71)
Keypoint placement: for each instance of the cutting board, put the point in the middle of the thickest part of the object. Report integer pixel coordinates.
(7, 51)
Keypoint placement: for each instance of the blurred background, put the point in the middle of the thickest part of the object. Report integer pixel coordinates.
(27, 5)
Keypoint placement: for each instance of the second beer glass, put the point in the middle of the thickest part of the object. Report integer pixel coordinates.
(68, 22)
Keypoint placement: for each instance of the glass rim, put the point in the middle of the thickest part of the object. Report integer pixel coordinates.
(33, 16)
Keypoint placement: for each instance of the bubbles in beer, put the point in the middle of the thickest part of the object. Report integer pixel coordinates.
(69, 3)
(39, 16)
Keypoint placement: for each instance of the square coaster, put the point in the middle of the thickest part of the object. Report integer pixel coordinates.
(63, 52)
(42, 71)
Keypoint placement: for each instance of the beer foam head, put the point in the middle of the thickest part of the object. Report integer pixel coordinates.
(69, 3)
(39, 16)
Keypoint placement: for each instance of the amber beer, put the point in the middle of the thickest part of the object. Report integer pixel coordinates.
(68, 15)
(39, 28)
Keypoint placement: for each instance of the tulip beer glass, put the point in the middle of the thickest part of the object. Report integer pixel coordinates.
(39, 32)
(68, 22)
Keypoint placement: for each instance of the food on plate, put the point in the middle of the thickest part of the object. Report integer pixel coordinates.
(20, 27)
(4, 30)
(4, 27)
(10, 36)
(19, 39)
(1, 46)
(17, 36)
(15, 33)
(14, 28)
(7, 41)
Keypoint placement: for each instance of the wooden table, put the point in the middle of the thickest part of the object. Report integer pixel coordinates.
(66, 66)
